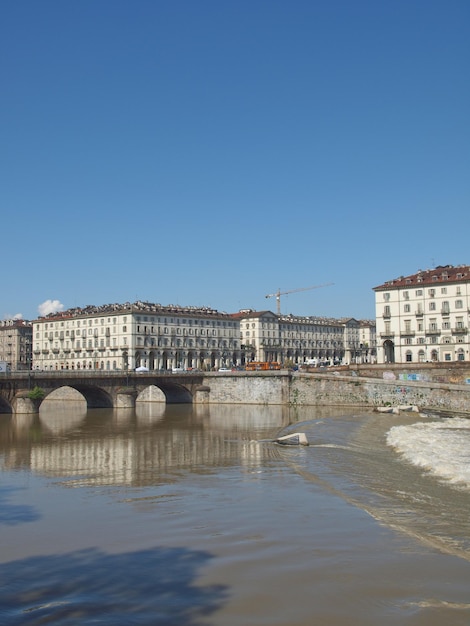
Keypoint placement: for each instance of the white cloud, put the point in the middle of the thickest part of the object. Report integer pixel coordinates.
(50, 306)
(16, 316)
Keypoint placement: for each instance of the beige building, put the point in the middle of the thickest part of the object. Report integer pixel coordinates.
(368, 341)
(16, 344)
(126, 336)
(424, 317)
(265, 336)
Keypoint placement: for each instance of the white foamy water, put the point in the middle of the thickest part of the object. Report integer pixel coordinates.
(442, 448)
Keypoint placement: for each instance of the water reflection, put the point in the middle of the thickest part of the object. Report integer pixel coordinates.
(12, 514)
(148, 445)
(89, 586)
(62, 418)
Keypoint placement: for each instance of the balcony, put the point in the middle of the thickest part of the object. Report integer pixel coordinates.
(432, 331)
(419, 313)
(387, 335)
(459, 330)
(67, 350)
(407, 333)
(55, 350)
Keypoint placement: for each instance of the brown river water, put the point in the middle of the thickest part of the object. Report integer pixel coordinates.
(192, 516)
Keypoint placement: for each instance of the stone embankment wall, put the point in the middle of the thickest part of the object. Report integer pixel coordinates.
(335, 389)
(457, 373)
(259, 388)
(372, 392)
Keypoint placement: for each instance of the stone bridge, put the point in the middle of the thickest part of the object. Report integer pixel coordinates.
(349, 388)
(100, 390)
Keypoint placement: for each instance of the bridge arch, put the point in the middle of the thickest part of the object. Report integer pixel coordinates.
(5, 406)
(173, 392)
(95, 397)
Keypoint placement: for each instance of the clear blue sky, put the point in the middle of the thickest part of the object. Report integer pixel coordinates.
(208, 152)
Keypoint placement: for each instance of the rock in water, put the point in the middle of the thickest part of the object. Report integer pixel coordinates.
(294, 439)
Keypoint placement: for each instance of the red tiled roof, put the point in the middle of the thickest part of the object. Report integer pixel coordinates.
(443, 274)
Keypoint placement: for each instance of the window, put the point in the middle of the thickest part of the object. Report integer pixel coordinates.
(386, 297)
(407, 308)
(458, 304)
(419, 292)
(409, 356)
(432, 306)
(386, 311)
(406, 295)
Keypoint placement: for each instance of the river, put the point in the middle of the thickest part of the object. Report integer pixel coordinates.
(184, 515)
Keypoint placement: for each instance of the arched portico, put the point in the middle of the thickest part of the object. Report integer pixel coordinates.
(389, 351)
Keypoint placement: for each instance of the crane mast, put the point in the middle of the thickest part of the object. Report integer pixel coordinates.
(280, 293)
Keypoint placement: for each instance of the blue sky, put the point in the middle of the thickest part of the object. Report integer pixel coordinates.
(211, 152)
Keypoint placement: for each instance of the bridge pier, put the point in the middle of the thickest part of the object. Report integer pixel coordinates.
(125, 399)
(23, 405)
(201, 395)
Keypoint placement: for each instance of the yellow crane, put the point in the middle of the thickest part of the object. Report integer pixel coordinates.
(280, 293)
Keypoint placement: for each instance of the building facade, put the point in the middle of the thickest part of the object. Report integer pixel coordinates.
(16, 344)
(424, 317)
(368, 341)
(265, 336)
(127, 336)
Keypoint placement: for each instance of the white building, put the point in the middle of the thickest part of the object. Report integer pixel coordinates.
(265, 336)
(424, 317)
(125, 336)
(368, 341)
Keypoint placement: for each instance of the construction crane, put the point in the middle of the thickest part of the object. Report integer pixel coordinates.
(280, 293)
